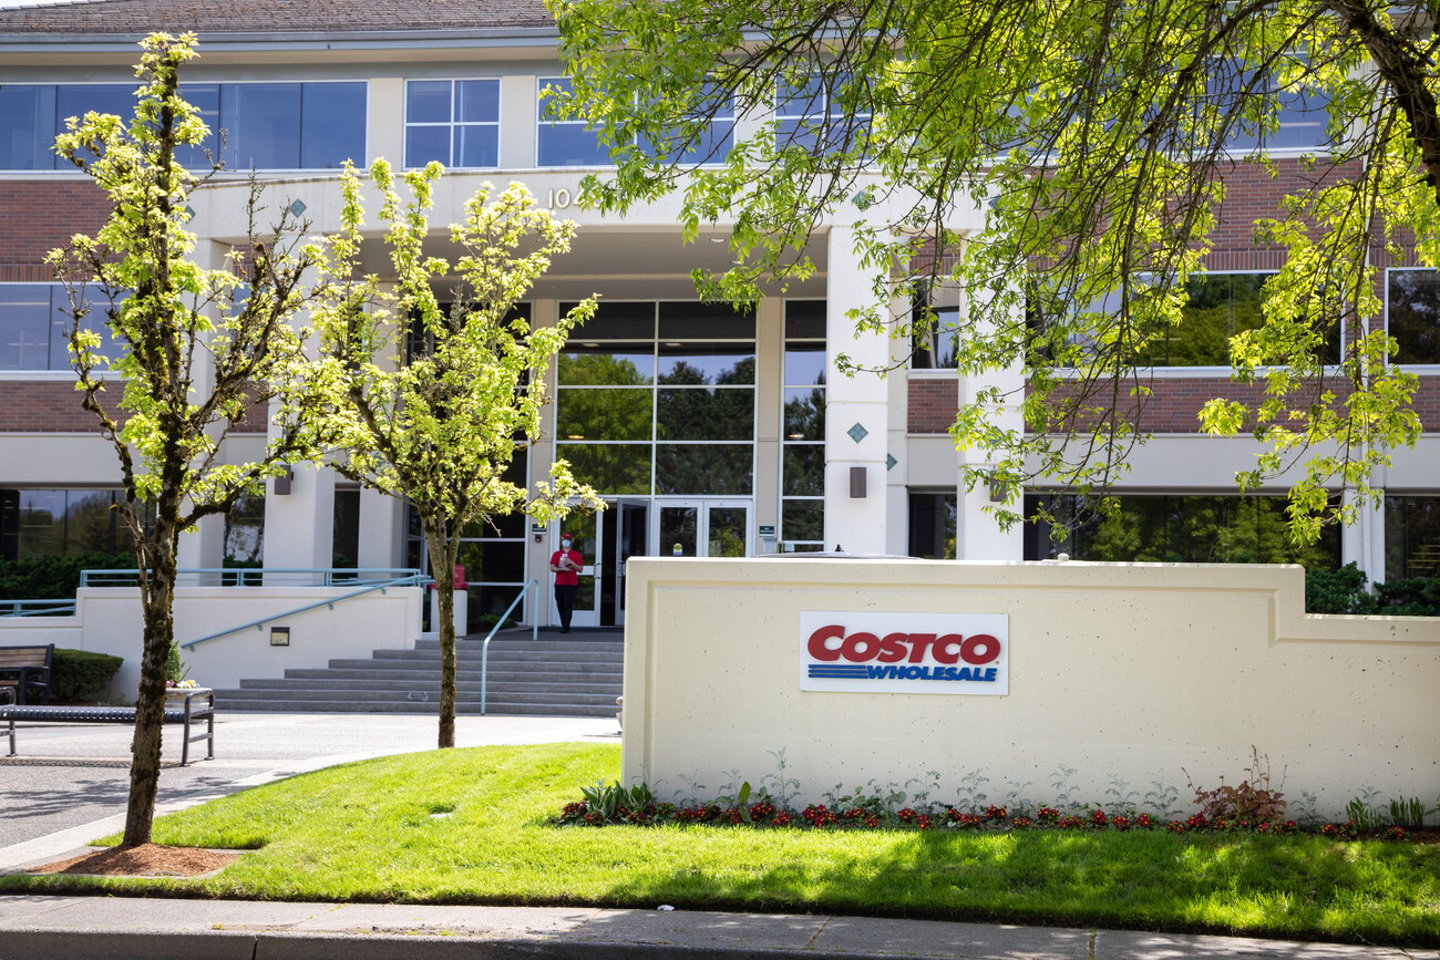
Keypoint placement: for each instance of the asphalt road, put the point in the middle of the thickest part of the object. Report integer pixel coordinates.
(70, 775)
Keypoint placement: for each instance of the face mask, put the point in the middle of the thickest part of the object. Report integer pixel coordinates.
(565, 544)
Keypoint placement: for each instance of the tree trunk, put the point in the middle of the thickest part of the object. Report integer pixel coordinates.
(443, 552)
(157, 602)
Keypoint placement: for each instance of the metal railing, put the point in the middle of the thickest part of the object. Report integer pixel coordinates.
(257, 576)
(37, 608)
(485, 647)
(413, 580)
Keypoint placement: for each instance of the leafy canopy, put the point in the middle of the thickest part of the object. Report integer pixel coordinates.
(1085, 146)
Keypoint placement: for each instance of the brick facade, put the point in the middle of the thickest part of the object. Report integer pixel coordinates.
(932, 404)
(36, 216)
(44, 406)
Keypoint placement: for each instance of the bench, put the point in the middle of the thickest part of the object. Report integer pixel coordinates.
(26, 669)
(198, 705)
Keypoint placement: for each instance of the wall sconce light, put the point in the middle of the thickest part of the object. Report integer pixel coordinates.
(857, 483)
(999, 489)
(279, 636)
(281, 486)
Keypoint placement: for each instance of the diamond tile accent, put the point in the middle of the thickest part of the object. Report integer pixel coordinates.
(189, 213)
(298, 207)
(858, 433)
(890, 462)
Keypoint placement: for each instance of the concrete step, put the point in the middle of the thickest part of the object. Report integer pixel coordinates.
(401, 671)
(236, 703)
(418, 696)
(503, 655)
(429, 683)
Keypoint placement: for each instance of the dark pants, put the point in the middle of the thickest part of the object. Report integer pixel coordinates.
(565, 600)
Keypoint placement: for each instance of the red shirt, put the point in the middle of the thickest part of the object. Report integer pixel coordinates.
(567, 577)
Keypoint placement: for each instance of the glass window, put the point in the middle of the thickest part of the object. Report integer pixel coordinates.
(932, 525)
(701, 414)
(345, 549)
(1302, 115)
(35, 327)
(267, 125)
(454, 121)
(1219, 305)
(805, 414)
(609, 467)
(613, 414)
(1413, 315)
(935, 345)
(597, 363)
(565, 143)
(1175, 529)
(808, 115)
(687, 320)
(699, 364)
(54, 523)
(703, 468)
(804, 362)
(713, 142)
(802, 520)
(804, 470)
(27, 126)
(1412, 537)
(245, 532)
(616, 320)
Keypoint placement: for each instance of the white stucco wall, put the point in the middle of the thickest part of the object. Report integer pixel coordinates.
(108, 620)
(1130, 673)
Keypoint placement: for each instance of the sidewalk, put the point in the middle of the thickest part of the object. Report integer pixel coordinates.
(41, 928)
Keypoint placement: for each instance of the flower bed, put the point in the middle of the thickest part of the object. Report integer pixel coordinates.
(612, 804)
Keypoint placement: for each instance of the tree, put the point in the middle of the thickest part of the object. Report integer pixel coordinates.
(441, 426)
(1097, 139)
(195, 350)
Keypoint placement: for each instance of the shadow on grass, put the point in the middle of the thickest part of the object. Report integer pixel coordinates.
(1298, 887)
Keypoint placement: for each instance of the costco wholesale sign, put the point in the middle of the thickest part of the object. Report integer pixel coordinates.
(905, 652)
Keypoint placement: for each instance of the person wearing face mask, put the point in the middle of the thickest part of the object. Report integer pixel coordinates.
(566, 563)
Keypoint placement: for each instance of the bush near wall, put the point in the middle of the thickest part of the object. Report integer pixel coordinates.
(1343, 591)
(54, 578)
(81, 674)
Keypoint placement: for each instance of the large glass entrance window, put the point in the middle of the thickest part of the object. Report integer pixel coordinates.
(659, 400)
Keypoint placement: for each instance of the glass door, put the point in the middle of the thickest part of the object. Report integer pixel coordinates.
(632, 539)
(702, 528)
(588, 539)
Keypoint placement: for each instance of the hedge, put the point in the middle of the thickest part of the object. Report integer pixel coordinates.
(81, 674)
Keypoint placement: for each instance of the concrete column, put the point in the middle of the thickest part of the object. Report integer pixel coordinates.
(897, 472)
(1363, 542)
(382, 530)
(204, 546)
(538, 547)
(769, 411)
(519, 110)
(978, 536)
(856, 409)
(300, 526)
(386, 119)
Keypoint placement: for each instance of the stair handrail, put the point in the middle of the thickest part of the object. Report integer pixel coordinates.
(255, 576)
(485, 646)
(413, 580)
(37, 608)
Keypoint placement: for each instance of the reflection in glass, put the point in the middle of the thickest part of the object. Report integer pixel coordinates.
(609, 468)
(606, 364)
(1412, 535)
(698, 414)
(805, 319)
(492, 561)
(805, 414)
(1176, 529)
(804, 470)
(727, 532)
(703, 468)
(617, 320)
(1220, 306)
(677, 531)
(1414, 315)
(932, 525)
(619, 414)
(701, 364)
(802, 519)
(245, 533)
(804, 363)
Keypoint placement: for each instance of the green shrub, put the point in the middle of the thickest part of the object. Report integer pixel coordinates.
(81, 674)
(1343, 591)
(54, 578)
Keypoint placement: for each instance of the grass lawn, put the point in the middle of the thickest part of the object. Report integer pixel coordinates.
(369, 831)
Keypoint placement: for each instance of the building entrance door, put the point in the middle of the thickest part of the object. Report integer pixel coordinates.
(702, 528)
(640, 527)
